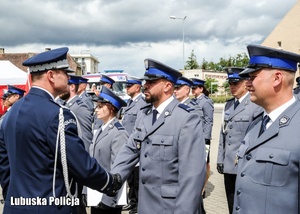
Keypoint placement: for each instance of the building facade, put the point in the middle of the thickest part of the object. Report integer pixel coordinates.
(88, 62)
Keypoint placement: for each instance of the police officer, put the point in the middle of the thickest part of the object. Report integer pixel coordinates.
(238, 113)
(85, 120)
(268, 159)
(12, 95)
(172, 158)
(80, 109)
(107, 142)
(86, 98)
(130, 112)
(40, 147)
(106, 82)
(182, 93)
(207, 106)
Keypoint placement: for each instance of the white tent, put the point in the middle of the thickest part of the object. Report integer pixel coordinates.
(10, 74)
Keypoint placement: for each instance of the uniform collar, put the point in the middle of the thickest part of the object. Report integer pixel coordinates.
(106, 124)
(45, 91)
(242, 98)
(136, 97)
(163, 105)
(275, 113)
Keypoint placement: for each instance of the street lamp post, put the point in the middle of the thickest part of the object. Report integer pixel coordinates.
(211, 86)
(183, 19)
(82, 59)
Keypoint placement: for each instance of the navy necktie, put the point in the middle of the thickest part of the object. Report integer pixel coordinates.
(264, 123)
(129, 102)
(154, 116)
(236, 103)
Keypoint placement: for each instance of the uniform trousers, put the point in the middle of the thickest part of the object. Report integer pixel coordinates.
(103, 209)
(229, 182)
(133, 183)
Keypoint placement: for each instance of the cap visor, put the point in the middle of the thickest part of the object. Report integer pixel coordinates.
(146, 78)
(247, 71)
(69, 70)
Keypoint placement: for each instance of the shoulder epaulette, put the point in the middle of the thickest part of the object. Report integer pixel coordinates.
(186, 107)
(193, 102)
(119, 126)
(79, 101)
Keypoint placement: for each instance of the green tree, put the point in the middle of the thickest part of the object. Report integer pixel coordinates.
(191, 63)
(204, 64)
(240, 60)
(226, 87)
(211, 85)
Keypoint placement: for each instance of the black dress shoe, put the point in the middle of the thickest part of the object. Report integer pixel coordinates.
(128, 207)
(133, 211)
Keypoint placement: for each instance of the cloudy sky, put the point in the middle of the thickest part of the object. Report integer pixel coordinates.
(122, 33)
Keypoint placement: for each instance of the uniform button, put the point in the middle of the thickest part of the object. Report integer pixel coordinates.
(248, 157)
(242, 174)
(239, 191)
(271, 156)
(146, 155)
(162, 141)
(237, 208)
(143, 169)
(147, 142)
(143, 182)
(229, 136)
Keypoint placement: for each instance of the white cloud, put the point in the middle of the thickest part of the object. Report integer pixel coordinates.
(123, 33)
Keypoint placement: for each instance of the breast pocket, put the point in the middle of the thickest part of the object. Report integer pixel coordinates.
(241, 123)
(162, 147)
(272, 166)
(132, 117)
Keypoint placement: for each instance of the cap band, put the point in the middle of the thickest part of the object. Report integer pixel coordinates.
(182, 82)
(62, 64)
(113, 101)
(257, 61)
(13, 91)
(134, 82)
(156, 72)
(73, 81)
(234, 76)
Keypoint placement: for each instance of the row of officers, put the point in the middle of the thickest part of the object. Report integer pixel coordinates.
(53, 150)
(161, 145)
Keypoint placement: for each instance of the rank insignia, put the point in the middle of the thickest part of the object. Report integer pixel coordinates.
(283, 120)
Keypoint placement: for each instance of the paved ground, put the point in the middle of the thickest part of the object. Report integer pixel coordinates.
(215, 201)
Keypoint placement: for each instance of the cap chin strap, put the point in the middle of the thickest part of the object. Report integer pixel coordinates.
(62, 140)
